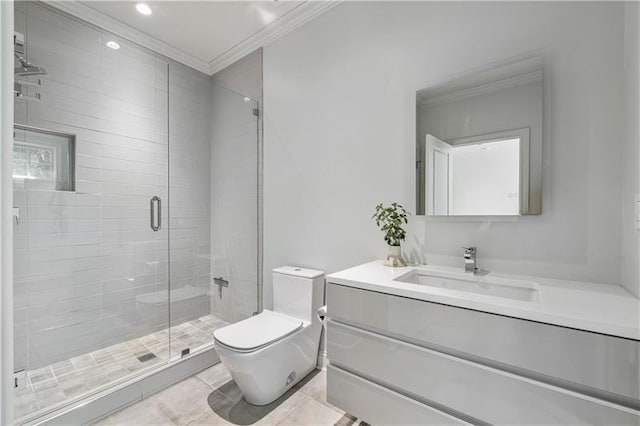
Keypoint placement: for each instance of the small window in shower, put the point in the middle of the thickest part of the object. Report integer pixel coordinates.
(43, 159)
(34, 161)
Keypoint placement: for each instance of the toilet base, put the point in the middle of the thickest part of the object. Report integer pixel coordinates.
(266, 374)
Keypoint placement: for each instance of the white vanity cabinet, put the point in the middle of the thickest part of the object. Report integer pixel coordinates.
(399, 360)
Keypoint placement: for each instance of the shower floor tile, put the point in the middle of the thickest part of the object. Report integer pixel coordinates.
(69, 379)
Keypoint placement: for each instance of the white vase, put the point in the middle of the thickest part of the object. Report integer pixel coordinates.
(394, 257)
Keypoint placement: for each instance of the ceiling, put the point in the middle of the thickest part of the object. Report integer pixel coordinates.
(206, 35)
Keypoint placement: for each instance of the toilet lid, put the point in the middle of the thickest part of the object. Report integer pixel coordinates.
(257, 331)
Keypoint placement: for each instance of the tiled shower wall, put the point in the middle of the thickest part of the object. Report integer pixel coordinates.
(190, 189)
(83, 258)
(235, 202)
(234, 216)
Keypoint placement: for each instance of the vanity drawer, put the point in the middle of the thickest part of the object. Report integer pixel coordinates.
(378, 405)
(480, 392)
(599, 365)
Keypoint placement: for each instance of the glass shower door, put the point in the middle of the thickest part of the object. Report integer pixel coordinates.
(90, 237)
(190, 210)
(134, 189)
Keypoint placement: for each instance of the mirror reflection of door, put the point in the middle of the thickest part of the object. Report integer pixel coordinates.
(475, 176)
(438, 159)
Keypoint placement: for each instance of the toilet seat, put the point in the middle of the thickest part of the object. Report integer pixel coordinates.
(257, 332)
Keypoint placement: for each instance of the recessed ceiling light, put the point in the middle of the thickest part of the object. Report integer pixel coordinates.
(246, 99)
(267, 16)
(113, 45)
(143, 8)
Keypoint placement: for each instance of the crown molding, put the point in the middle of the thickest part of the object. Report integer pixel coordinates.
(281, 26)
(505, 83)
(295, 18)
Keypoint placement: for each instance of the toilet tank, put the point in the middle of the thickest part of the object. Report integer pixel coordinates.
(298, 292)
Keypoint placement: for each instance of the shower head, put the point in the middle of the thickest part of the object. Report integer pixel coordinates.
(26, 69)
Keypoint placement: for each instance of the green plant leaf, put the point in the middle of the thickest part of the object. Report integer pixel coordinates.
(390, 220)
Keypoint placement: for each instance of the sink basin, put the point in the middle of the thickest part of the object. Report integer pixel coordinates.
(469, 283)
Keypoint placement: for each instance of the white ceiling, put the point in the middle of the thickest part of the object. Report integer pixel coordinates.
(202, 29)
(207, 35)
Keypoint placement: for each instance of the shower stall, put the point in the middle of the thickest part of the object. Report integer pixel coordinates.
(136, 210)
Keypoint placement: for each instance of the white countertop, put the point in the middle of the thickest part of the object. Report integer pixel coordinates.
(601, 308)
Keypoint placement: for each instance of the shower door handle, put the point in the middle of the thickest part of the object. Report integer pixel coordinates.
(155, 208)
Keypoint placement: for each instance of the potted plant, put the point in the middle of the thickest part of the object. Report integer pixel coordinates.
(391, 221)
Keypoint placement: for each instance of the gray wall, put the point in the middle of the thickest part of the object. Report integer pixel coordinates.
(339, 96)
(82, 258)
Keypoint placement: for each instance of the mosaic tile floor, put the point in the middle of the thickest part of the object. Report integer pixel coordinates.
(69, 379)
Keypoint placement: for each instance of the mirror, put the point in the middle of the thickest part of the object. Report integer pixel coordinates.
(479, 143)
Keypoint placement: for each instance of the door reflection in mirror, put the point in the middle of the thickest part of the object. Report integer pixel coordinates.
(480, 178)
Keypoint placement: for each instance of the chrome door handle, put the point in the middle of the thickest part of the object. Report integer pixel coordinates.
(155, 212)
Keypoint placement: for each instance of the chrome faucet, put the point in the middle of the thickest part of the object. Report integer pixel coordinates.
(470, 259)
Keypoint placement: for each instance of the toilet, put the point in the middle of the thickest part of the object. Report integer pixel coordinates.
(270, 352)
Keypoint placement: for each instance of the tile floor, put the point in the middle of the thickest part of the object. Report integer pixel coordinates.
(212, 398)
(67, 380)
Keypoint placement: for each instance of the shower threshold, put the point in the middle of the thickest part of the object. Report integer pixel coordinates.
(65, 382)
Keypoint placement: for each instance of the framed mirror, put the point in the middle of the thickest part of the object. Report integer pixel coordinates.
(479, 143)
